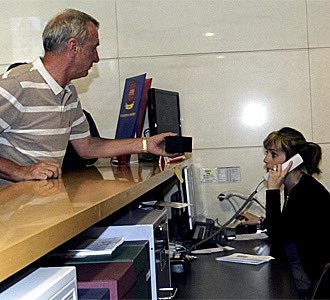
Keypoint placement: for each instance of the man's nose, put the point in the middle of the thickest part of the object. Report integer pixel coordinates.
(96, 57)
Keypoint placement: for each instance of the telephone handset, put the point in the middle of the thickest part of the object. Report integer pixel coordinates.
(200, 229)
(203, 230)
(296, 161)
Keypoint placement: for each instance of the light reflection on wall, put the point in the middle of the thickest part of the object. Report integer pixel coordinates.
(254, 114)
(208, 34)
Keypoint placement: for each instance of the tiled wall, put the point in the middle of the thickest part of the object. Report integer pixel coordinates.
(264, 64)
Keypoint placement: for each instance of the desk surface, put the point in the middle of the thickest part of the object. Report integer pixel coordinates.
(38, 216)
(209, 279)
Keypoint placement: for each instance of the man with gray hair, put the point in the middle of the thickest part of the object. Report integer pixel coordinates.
(40, 110)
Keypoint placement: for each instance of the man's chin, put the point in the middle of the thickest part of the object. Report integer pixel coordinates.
(81, 75)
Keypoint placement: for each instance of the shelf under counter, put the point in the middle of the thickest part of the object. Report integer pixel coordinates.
(38, 216)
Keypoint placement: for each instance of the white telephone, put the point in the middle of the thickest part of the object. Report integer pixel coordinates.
(296, 159)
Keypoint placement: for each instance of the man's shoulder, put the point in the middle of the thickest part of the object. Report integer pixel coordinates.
(9, 83)
(24, 72)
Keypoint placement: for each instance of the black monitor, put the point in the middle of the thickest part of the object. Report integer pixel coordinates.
(163, 111)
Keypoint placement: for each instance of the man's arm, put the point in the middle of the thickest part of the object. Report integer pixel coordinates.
(95, 147)
(42, 170)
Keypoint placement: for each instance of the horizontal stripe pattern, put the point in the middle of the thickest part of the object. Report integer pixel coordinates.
(79, 136)
(79, 121)
(23, 108)
(42, 153)
(34, 85)
(6, 95)
(4, 125)
(37, 116)
(4, 141)
(55, 131)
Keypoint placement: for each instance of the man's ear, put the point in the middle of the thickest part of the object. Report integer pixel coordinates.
(73, 45)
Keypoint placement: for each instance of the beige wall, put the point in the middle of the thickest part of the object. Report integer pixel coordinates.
(271, 56)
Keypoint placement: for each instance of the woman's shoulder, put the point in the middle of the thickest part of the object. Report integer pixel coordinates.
(312, 184)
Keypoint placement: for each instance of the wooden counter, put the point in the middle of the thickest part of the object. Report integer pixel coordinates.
(38, 216)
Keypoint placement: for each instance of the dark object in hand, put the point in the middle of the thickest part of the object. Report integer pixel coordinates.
(178, 144)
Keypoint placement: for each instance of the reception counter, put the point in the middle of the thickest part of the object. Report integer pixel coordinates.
(38, 216)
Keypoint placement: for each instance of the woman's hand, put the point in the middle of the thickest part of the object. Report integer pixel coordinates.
(248, 218)
(277, 176)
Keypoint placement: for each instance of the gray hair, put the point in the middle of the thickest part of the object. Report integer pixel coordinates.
(68, 24)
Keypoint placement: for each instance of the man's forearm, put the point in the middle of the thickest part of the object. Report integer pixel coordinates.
(9, 170)
(94, 147)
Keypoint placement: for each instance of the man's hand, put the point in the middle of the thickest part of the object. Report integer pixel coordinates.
(40, 171)
(156, 144)
(10, 170)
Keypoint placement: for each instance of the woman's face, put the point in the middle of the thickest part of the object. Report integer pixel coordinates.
(273, 157)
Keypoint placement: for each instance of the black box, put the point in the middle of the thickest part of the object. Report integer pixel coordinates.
(178, 144)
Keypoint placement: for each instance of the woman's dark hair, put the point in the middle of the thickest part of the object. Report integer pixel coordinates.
(291, 141)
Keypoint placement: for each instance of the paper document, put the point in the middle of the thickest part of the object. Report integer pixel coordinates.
(166, 204)
(243, 258)
(212, 250)
(97, 246)
(251, 236)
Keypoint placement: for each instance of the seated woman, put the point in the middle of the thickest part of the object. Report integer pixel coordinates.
(298, 231)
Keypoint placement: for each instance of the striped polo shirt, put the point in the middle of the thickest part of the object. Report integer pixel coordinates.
(38, 116)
